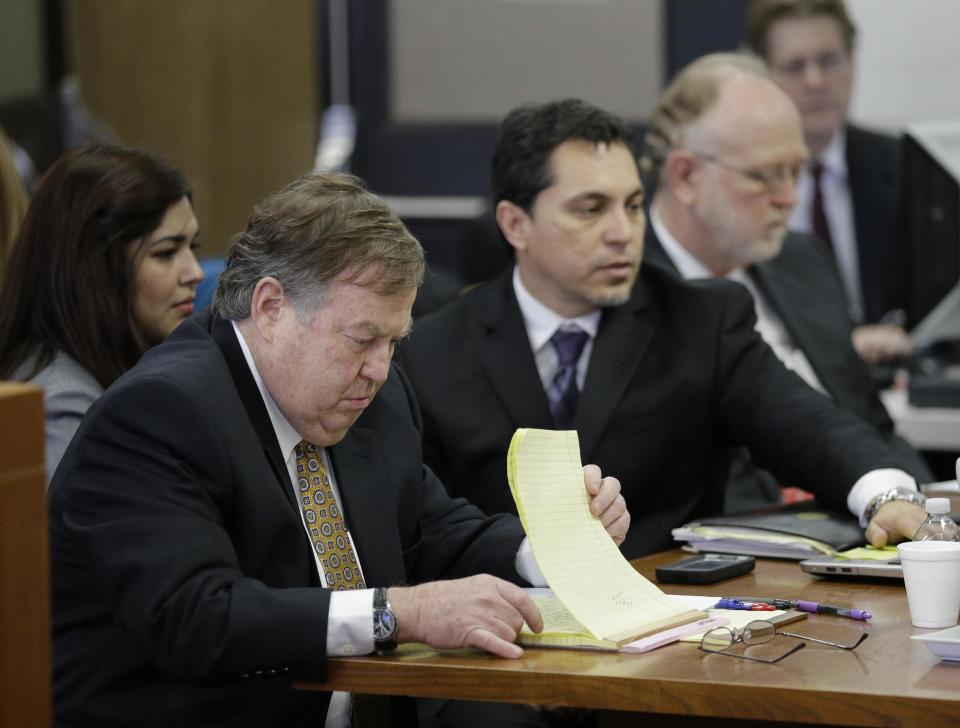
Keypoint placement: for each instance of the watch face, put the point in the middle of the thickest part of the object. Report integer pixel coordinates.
(384, 624)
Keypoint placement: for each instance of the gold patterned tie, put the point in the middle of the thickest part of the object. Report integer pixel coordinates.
(324, 521)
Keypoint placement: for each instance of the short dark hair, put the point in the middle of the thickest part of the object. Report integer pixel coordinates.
(311, 231)
(762, 14)
(69, 282)
(530, 133)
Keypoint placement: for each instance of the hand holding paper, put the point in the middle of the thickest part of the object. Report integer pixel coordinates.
(606, 503)
(579, 559)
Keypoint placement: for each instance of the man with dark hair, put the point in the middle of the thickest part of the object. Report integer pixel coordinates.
(725, 145)
(660, 377)
(226, 508)
(850, 198)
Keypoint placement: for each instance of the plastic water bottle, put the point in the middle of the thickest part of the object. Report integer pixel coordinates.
(938, 526)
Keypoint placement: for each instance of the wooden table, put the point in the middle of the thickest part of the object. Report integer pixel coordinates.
(889, 680)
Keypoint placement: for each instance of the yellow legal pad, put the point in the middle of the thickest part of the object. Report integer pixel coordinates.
(585, 569)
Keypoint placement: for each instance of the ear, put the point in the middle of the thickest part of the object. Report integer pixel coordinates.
(680, 175)
(268, 306)
(514, 223)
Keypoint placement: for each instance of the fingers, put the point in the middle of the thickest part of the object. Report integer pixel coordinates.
(880, 342)
(895, 521)
(523, 604)
(484, 640)
(607, 503)
(607, 491)
(478, 611)
(875, 535)
(592, 478)
(617, 529)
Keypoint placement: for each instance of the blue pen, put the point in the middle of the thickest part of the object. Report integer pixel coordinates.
(727, 603)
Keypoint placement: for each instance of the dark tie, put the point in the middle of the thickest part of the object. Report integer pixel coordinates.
(818, 217)
(562, 393)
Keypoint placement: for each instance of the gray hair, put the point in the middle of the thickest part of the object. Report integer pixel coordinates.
(690, 95)
(309, 233)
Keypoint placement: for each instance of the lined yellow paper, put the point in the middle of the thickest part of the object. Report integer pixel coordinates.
(581, 563)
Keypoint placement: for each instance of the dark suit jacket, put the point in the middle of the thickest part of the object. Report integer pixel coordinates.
(873, 165)
(678, 377)
(184, 588)
(802, 286)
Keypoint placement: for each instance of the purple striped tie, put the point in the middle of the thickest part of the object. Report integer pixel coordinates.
(563, 393)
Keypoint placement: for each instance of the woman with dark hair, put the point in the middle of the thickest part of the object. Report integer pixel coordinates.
(103, 267)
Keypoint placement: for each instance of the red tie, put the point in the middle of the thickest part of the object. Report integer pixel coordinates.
(818, 217)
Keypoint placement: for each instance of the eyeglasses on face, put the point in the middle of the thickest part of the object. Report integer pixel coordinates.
(772, 179)
(760, 631)
(828, 64)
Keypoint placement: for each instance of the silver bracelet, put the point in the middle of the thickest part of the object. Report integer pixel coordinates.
(894, 494)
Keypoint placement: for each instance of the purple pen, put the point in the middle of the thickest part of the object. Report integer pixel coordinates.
(816, 608)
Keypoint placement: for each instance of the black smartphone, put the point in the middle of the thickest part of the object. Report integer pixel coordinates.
(705, 569)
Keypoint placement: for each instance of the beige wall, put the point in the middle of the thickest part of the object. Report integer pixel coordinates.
(225, 89)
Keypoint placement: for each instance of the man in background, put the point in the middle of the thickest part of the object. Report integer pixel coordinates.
(660, 377)
(850, 198)
(726, 148)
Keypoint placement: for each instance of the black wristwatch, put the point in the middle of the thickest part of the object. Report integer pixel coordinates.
(384, 622)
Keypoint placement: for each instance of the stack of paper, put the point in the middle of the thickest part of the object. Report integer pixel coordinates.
(791, 533)
(585, 569)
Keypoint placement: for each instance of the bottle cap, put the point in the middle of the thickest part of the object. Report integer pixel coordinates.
(938, 505)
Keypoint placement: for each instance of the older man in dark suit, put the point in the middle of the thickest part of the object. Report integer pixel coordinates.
(660, 377)
(851, 196)
(221, 519)
(726, 147)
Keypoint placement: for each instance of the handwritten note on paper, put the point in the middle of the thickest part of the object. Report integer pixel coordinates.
(581, 563)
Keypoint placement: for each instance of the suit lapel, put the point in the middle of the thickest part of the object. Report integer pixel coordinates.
(370, 506)
(222, 333)
(503, 349)
(622, 341)
(653, 251)
(799, 295)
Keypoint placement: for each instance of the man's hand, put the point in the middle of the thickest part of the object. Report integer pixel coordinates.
(877, 343)
(607, 503)
(479, 611)
(895, 521)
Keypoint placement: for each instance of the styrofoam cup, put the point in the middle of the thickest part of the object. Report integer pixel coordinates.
(931, 572)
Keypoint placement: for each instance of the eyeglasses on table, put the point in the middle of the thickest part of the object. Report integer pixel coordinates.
(760, 631)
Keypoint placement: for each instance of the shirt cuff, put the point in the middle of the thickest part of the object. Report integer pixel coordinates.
(872, 484)
(350, 623)
(527, 566)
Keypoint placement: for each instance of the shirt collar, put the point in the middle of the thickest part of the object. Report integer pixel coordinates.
(688, 265)
(541, 322)
(287, 437)
(834, 158)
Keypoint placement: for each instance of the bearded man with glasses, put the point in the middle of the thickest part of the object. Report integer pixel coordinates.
(726, 147)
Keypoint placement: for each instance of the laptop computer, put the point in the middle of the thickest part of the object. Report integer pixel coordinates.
(834, 566)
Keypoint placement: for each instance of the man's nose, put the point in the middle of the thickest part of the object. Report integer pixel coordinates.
(377, 364)
(813, 75)
(620, 228)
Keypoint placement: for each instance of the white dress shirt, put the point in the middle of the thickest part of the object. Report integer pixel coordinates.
(769, 325)
(542, 323)
(838, 208)
(350, 616)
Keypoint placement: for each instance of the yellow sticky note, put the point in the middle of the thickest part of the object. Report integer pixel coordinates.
(885, 553)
